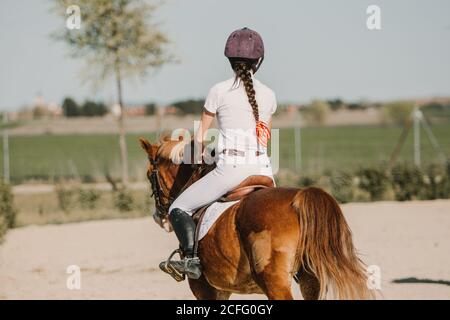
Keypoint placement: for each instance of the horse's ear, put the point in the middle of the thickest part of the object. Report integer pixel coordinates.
(148, 147)
(145, 144)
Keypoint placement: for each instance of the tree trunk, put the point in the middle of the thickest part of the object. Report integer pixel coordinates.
(122, 141)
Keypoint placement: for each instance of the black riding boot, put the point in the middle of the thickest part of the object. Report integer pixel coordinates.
(184, 228)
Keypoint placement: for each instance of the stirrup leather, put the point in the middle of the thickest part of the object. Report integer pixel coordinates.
(168, 268)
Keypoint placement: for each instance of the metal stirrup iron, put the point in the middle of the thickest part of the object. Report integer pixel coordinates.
(168, 268)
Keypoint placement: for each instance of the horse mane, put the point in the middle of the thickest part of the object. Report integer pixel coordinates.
(172, 150)
(175, 150)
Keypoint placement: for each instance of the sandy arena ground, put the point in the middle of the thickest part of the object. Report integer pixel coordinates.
(119, 258)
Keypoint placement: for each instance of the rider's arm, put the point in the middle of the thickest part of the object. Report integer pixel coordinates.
(205, 122)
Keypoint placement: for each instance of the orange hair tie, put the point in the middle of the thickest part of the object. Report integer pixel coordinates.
(262, 133)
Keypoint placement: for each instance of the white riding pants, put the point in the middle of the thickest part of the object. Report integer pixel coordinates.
(230, 171)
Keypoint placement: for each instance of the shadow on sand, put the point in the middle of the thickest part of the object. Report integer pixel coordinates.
(415, 280)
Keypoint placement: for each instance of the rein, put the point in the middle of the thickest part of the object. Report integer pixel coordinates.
(162, 209)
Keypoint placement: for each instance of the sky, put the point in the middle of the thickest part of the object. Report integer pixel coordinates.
(315, 49)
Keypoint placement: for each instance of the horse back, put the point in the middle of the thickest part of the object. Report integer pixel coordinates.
(242, 240)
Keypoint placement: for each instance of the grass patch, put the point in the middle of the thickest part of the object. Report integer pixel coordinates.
(44, 208)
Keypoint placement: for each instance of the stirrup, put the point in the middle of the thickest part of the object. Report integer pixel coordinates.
(168, 268)
(189, 266)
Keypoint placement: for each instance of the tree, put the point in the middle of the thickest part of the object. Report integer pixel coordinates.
(189, 106)
(39, 112)
(150, 109)
(120, 40)
(336, 104)
(317, 112)
(70, 108)
(93, 109)
(7, 209)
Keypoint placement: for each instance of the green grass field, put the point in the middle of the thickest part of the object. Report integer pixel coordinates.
(349, 147)
(46, 157)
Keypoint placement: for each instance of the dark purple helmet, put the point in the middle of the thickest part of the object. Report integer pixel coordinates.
(245, 44)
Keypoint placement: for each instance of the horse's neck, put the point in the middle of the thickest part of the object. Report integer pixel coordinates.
(200, 172)
(196, 175)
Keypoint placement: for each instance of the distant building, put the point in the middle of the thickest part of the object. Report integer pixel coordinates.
(54, 110)
(441, 100)
(39, 101)
(41, 109)
(115, 110)
(135, 111)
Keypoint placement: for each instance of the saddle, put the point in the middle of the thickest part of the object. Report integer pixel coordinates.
(249, 185)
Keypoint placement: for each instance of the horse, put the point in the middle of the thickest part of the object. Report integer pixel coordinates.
(268, 238)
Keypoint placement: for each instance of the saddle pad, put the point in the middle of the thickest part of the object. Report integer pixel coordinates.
(211, 215)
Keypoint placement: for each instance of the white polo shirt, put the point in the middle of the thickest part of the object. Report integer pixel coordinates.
(237, 125)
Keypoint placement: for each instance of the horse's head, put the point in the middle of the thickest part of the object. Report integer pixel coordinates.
(167, 173)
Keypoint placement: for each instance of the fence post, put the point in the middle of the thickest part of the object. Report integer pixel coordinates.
(5, 148)
(417, 115)
(298, 152)
(298, 143)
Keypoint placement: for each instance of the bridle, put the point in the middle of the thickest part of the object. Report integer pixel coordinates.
(162, 209)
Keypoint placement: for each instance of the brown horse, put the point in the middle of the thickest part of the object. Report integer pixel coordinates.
(259, 244)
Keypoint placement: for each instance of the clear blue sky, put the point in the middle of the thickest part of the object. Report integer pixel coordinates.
(315, 49)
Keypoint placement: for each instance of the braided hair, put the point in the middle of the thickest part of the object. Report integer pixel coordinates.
(243, 70)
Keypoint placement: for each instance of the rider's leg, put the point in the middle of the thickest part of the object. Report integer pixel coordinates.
(184, 228)
(203, 191)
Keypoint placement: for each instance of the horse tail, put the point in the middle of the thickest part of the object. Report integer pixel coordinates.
(326, 247)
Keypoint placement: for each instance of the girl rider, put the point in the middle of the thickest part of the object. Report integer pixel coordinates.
(243, 107)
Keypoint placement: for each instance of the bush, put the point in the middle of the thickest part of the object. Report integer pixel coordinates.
(403, 182)
(397, 112)
(307, 181)
(437, 110)
(3, 228)
(65, 197)
(123, 200)
(437, 182)
(189, 106)
(357, 106)
(374, 181)
(336, 104)
(341, 184)
(39, 112)
(447, 169)
(93, 109)
(7, 210)
(150, 109)
(89, 198)
(407, 182)
(70, 108)
(317, 112)
(88, 109)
